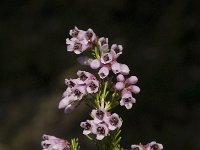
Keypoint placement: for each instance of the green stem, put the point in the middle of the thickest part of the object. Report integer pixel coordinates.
(104, 95)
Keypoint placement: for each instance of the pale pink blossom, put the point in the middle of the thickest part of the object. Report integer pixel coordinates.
(88, 127)
(116, 50)
(76, 45)
(103, 72)
(106, 58)
(53, 143)
(92, 86)
(103, 43)
(90, 36)
(137, 147)
(127, 100)
(113, 121)
(76, 33)
(99, 115)
(101, 131)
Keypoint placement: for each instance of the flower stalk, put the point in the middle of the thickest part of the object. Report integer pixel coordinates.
(106, 87)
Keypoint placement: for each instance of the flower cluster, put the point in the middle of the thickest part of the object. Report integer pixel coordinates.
(151, 146)
(108, 60)
(102, 94)
(127, 87)
(81, 40)
(54, 143)
(102, 123)
(86, 83)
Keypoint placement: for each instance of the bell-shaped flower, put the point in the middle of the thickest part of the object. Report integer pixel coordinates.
(113, 121)
(76, 33)
(116, 50)
(84, 76)
(106, 58)
(99, 115)
(101, 130)
(127, 100)
(103, 72)
(90, 36)
(79, 91)
(154, 146)
(92, 86)
(76, 45)
(88, 127)
(71, 82)
(103, 43)
(54, 143)
(137, 147)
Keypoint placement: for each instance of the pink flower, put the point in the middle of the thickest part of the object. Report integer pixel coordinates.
(76, 45)
(116, 50)
(113, 121)
(54, 143)
(99, 115)
(101, 131)
(154, 146)
(84, 76)
(103, 72)
(103, 43)
(151, 146)
(106, 58)
(79, 91)
(137, 147)
(90, 36)
(127, 100)
(92, 86)
(76, 33)
(71, 82)
(88, 127)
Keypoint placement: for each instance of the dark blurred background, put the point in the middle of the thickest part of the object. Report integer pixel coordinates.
(161, 45)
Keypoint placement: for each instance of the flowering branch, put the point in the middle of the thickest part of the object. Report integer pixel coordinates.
(107, 87)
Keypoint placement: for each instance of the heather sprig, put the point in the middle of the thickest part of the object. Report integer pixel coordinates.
(108, 85)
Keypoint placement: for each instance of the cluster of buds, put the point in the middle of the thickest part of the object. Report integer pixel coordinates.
(54, 143)
(151, 146)
(86, 83)
(108, 60)
(127, 87)
(103, 122)
(81, 40)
